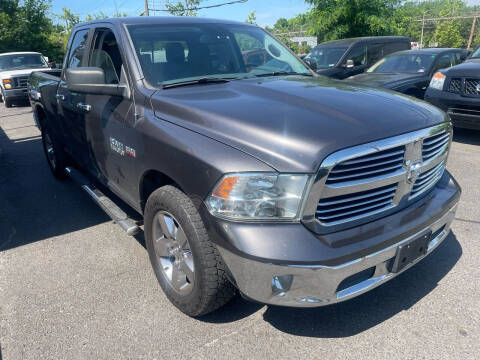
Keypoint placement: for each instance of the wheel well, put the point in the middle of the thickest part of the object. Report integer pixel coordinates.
(151, 181)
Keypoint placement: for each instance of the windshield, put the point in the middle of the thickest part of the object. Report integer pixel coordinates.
(170, 54)
(476, 53)
(22, 61)
(327, 56)
(403, 63)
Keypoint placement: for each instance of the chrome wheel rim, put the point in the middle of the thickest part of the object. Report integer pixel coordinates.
(50, 150)
(173, 253)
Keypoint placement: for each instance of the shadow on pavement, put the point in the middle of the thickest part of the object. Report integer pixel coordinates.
(466, 136)
(33, 205)
(359, 314)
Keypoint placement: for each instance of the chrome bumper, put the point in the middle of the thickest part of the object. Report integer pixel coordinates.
(318, 285)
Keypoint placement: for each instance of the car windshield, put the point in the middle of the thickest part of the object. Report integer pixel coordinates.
(327, 56)
(476, 53)
(170, 54)
(22, 61)
(403, 63)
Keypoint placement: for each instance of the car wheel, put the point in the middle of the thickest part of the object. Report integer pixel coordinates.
(8, 103)
(186, 263)
(54, 154)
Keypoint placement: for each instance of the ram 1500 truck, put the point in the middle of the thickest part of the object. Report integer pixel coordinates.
(292, 188)
(15, 67)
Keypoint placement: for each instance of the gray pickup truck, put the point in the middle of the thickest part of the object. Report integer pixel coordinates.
(263, 178)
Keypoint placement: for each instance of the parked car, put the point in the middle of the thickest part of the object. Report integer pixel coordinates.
(457, 91)
(14, 70)
(341, 59)
(409, 71)
(290, 187)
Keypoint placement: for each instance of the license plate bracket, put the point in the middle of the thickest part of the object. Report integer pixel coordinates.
(410, 251)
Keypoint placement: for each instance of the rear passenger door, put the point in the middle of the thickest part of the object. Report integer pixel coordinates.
(70, 115)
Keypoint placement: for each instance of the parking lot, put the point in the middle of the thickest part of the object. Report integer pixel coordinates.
(73, 285)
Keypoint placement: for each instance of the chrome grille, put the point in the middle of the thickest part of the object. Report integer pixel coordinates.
(435, 145)
(368, 166)
(455, 85)
(21, 81)
(339, 208)
(372, 178)
(471, 86)
(427, 179)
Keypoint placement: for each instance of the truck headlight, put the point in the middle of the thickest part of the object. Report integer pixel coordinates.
(437, 81)
(7, 83)
(258, 196)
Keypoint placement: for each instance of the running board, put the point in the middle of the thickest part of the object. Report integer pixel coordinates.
(107, 205)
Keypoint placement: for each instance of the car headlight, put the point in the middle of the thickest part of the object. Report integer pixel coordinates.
(258, 196)
(437, 81)
(7, 83)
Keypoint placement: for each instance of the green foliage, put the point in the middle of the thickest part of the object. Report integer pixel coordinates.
(252, 18)
(183, 8)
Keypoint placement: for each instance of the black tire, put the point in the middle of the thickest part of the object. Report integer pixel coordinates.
(57, 167)
(211, 288)
(8, 103)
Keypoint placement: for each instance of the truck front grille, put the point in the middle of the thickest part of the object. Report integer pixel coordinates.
(455, 85)
(21, 81)
(471, 86)
(372, 178)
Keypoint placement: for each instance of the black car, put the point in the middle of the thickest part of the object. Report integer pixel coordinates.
(262, 177)
(409, 72)
(340, 59)
(457, 91)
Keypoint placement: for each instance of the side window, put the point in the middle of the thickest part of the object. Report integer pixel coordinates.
(358, 55)
(106, 55)
(374, 52)
(77, 49)
(444, 61)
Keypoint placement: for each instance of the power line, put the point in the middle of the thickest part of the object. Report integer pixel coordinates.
(206, 7)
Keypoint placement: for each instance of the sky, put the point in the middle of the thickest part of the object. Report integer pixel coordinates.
(267, 11)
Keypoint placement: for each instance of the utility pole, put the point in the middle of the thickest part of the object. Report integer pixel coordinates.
(471, 33)
(423, 25)
(146, 8)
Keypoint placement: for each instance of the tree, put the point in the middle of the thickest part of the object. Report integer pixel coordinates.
(183, 8)
(252, 18)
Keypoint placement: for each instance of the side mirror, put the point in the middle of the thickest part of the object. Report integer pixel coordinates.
(53, 65)
(91, 80)
(312, 64)
(349, 64)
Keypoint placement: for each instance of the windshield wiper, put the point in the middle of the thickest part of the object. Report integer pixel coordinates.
(282, 73)
(205, 80)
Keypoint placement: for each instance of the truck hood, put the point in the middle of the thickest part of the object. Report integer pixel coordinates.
(26, 72)
(387, 81)
(468, 68)
(292, 123)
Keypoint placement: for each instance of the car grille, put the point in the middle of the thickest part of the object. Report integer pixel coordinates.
(372, 178)
(427, 179)
(21, 81)
(455, 85)
(471, 86)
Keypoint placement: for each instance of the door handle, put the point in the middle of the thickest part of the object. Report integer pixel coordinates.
(84, 107)
(60, 97)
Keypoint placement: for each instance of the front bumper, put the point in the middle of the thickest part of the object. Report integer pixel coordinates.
(332, 274)
(464, 111)
(16, 94)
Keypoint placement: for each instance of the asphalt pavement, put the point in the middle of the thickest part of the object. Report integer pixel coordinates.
(73, 285)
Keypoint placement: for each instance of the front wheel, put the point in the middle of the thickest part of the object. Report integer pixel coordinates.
(186, 263)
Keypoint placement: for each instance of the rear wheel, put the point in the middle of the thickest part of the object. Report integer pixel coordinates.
(54, 154)
(186, 263)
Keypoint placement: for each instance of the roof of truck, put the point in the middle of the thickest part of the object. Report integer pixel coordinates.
(20, 53)
(350, 41)
(162, 20)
